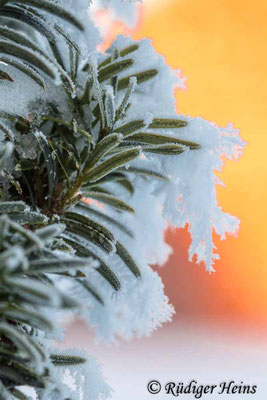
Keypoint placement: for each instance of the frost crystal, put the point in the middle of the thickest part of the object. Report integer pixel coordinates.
(93, 169)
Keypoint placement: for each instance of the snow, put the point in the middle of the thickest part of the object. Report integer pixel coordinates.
(80, 382)
(122, 10)
(187, 199)
(192, 173)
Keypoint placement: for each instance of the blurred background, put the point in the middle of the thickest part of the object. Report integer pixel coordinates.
(219, 331)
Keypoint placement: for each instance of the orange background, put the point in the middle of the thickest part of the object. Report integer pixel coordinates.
(220, 46)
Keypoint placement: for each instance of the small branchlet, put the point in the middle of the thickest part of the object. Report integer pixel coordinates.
(53, 164)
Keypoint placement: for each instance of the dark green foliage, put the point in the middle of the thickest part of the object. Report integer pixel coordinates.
(27, 55)
(45, 197)
(157, 139)
(113, 69)
(140, 76)
(59, 360)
